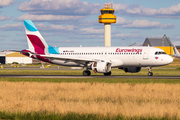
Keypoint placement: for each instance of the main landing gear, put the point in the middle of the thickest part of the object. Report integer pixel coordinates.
(150, 72)
(107, 74)
(86, 73)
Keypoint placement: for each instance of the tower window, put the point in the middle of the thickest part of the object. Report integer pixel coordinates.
(111, 12)
(107, 12)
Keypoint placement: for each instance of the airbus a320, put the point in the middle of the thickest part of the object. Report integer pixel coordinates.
(97, 59)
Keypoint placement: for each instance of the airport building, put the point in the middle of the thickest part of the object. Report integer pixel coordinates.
(2, 58)
(9, 57)
(163, 43)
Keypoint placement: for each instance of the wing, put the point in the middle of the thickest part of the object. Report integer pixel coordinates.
(79, 60)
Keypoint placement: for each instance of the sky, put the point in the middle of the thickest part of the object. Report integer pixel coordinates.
(71, 23)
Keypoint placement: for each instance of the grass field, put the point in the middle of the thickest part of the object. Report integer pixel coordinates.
(126, 99)
(93, 80)
(143, 72)
(91, 98)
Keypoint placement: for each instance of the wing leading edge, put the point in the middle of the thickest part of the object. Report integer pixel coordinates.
(70, 59)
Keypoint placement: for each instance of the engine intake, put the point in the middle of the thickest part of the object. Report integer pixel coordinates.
(101, 67)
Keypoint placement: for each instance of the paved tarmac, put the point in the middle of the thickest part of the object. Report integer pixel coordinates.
(79, 76)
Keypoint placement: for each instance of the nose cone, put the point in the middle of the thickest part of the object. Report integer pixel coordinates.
(169, 60)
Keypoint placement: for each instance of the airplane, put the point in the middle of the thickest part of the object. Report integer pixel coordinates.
(176, 52)
(97, 59)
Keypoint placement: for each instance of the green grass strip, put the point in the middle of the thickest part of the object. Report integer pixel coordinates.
(91, 80)
(115, 72)
(73, 116)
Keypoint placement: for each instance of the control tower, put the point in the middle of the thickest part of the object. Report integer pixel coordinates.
(107, 17)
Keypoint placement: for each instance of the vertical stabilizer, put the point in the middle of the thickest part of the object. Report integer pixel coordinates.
(36, 42)
(175, 50)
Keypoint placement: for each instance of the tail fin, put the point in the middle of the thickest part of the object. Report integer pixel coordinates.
(36, 42)
(176, 52)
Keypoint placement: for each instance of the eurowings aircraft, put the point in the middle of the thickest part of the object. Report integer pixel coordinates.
(176, 52)
(97, 59)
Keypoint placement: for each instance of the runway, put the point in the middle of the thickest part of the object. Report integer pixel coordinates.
(95, 76)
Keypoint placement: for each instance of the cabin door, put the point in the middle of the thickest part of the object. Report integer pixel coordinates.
(146, 54)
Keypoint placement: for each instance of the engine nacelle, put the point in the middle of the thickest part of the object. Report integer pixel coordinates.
(101, 67)
(131, 69)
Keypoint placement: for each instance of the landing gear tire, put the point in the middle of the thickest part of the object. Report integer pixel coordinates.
(107, 74)
(150, 74)
(86, 73)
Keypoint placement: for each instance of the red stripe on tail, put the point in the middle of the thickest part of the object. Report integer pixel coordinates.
(37, 44)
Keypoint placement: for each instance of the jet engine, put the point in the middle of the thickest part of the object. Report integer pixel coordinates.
(131, 69)
(101, 67)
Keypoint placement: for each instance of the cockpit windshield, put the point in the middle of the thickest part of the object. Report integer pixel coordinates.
(160, 53)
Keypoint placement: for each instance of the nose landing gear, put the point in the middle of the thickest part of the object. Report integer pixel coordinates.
(150, 73)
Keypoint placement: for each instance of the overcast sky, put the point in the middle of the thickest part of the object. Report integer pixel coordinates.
(75, 22)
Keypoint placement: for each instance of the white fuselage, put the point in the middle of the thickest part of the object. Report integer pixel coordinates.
(118, 56)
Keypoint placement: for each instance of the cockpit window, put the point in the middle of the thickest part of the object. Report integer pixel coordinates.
(159, 53)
